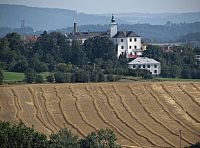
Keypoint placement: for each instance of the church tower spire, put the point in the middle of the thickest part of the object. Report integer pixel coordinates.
(113, 27)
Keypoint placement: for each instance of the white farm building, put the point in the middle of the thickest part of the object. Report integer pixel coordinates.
(146, 63)
(127, 42)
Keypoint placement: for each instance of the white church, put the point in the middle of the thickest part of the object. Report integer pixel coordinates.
(127, 43)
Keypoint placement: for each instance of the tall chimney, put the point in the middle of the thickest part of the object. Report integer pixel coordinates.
(75, 27)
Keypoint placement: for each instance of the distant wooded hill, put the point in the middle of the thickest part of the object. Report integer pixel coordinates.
(150, 33)
(51, 18)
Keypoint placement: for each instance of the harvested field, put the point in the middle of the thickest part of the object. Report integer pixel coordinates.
(147, 114)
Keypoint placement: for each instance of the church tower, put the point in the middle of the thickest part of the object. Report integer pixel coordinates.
(113, 27)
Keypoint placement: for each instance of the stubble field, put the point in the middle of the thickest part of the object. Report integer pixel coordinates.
(140, 113)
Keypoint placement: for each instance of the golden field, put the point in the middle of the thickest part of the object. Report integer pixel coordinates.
(148, 114)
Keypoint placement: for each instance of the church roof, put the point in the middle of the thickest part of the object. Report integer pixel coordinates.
(123, 34)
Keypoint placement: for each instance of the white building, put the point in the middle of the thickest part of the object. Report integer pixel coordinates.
(127, 42)
(146, 63)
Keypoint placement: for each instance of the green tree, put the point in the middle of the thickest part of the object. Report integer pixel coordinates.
(1, 76)
(30, 76)
(50, 78)
(63, 139)
(103, 138)
(60, 77)
(39, 78)
(19, 136)
(100, 47)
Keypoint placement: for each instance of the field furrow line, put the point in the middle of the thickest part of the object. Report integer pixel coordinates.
(190, 96)
(121, 119)
(43, 115)
(106, 122)
(65, 117)
(188, 127)
(37, 109)
(78, 107)
(16, 106)
(42, 107)
(51, 120)
(138, 120)
(150, 114)
(151, 91)
(196, 87)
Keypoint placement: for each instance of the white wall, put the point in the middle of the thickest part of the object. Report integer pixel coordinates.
(151, 69)
(126, 44)
(113, 29)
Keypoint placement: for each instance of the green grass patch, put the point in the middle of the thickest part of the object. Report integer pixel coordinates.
(13, 76)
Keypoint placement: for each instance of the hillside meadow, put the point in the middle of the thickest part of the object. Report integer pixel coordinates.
(147, 114)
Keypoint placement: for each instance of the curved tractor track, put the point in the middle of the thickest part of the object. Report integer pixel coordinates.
(146, 114)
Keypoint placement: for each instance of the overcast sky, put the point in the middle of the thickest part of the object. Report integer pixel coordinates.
(114, 6)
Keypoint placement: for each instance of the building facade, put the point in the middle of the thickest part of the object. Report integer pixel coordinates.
(146, 63)
(127, 43)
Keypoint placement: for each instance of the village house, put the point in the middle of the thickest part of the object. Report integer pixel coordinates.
(146, 63)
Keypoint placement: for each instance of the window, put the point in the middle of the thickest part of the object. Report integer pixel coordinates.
(133, 66)
(135, 47)
(148, 66)
(144, 66)
(155, 71)
(155, 66)
(130, 40)
(135, 39)
(130, 47)
(122, 47)
(122, 40)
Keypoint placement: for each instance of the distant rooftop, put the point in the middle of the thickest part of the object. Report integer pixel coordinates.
(143, 60)
(82, 35)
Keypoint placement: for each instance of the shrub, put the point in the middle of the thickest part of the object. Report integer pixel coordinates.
(1, 77)
(59, 77)
(39, 78)
(30, 76)
(50, 78)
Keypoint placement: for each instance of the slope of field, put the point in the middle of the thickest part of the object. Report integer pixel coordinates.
(141, 114)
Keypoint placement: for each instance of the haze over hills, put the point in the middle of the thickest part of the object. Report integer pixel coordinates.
(45, 18)
(159, 18)
(52, 18)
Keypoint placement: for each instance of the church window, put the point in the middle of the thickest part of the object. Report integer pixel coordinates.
(122, 47)
(135, 47)
(130, 40)
(135, 39)
(122, 40)
(130, 47)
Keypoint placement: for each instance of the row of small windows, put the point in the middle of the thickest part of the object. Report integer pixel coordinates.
(130, 47)
(144, 66)
(135, 40)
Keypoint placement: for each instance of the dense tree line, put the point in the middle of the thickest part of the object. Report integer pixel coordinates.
(18, 136)
(94, 61)
(178, 62)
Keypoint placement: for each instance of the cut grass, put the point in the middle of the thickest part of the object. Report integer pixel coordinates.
(13, 76)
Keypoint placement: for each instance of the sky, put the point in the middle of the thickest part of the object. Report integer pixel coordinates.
(114, 6)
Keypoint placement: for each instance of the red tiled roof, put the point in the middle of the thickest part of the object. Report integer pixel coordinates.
(132, 56)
